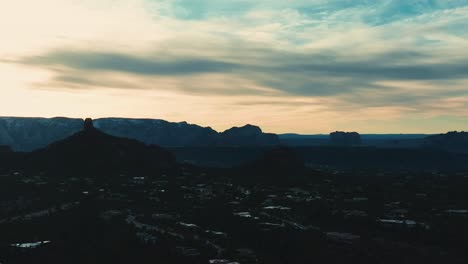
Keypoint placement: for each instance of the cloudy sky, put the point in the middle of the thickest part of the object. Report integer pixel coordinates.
(305, 66)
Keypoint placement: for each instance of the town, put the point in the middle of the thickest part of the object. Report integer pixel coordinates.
(201, 215)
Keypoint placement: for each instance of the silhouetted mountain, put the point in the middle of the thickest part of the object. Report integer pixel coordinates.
(277, 166)
(248, 135)
(345, 138)
(280, 160)
(27, 134)
(5, 150)
(163, 133)
(6, 156)
(159, 132)
(92, 152)
(451, 141)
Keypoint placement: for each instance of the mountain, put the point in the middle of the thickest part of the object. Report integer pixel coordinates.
(345, 138)
(248, 135)
(27, 134)
(160, 132)
(451, 141)
(92, 152)
(163, 133)
(6, 157)
(276, 166)
(5, 150)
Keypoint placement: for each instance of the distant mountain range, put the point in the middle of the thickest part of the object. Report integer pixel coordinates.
(163, 133)
(116, 145)
(28, 134)
(452, 141)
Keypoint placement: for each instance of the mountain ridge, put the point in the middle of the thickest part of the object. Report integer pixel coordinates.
(28, 134)
(93, 152)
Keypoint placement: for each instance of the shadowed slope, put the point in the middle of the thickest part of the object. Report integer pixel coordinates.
(451, 141)
(92, 152)
(279, 166)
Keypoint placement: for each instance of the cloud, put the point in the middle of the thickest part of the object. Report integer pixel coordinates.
(335, 57)
(293, 74)
(127, 63)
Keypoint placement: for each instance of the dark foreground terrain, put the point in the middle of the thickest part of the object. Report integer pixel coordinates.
(198, 215)
(92, 208)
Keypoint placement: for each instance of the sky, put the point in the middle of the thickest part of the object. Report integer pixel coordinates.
(304, 66)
